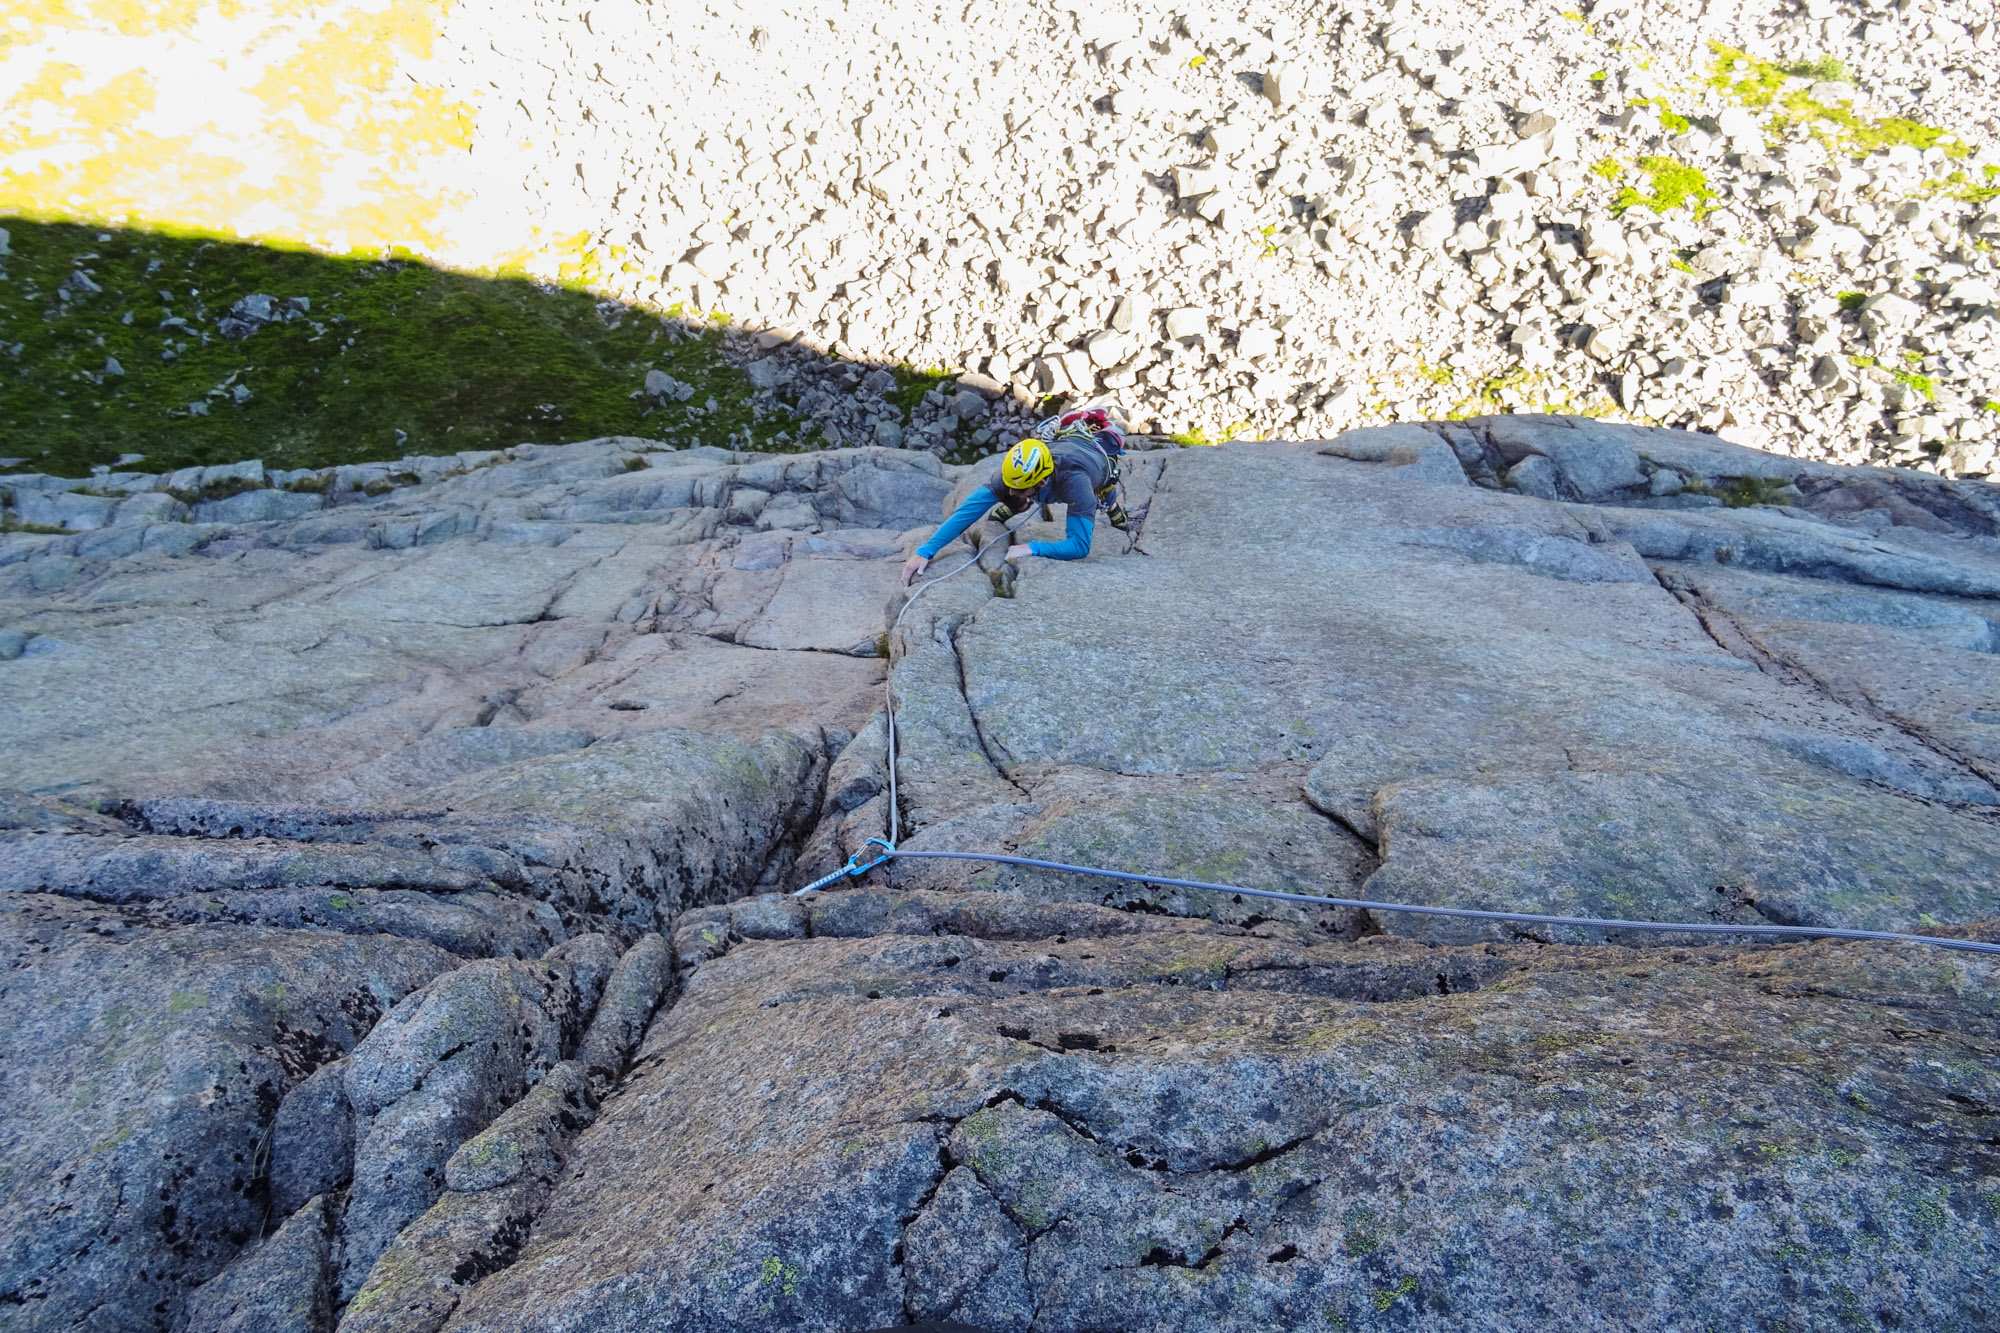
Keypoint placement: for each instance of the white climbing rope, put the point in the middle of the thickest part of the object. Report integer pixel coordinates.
(856, 866)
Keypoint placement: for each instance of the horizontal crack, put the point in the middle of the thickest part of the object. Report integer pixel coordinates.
(765, 648)
(1265, 1155)
(1161, 1257)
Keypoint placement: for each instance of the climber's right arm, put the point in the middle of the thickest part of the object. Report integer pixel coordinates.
(969, 511)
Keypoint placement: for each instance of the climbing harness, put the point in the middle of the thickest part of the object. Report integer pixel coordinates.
(1094, 426)
(867, 858)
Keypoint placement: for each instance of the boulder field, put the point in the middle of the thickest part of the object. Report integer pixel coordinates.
(398, 898)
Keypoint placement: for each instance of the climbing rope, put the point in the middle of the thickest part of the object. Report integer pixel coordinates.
(862, 862)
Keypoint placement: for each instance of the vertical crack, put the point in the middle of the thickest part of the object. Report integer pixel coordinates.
(901, 1255)
(986, 745)
(1135, 542)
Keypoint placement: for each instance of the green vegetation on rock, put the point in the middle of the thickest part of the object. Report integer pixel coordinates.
(1747, 492)
(912, 384)
(1962, 187)
(1674, 184)
(1670, 119)
(1388, 1296)
(1762, 85)
(1922, 384)
(116, 343)
(1826, 69)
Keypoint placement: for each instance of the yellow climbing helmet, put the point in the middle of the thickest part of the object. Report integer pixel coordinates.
(1027, 465)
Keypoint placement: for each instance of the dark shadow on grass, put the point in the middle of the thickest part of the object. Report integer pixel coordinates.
(189, 351)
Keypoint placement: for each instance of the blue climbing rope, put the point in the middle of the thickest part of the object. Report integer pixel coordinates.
(862, 862)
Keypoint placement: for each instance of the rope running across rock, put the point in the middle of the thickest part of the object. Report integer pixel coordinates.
(856, 866)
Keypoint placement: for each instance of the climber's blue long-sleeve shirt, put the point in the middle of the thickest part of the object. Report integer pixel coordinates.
(1073, 485)
(1075, 546)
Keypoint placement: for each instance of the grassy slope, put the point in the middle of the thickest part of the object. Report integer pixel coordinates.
(454, 362)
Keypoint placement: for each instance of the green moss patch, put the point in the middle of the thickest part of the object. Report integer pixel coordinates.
(1746, 492)
(1761, 85)
(1958, 185)
(116, 343)
(1673, 184)
(1923, 384)
(1670, 119)
(912, 384)
(1825, 69)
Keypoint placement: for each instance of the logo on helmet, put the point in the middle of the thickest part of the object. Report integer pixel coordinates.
(1028, 465)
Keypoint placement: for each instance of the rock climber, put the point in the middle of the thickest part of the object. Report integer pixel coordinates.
(1072, 460)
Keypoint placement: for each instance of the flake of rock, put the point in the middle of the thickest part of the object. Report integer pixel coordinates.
(1738, 123)
(1430, 231)
(1256, 341)
(1193, 183)
(1536, 476)
(1508, 202)
(279, 1287)
(1284, 85)
(1972, 292)
(1128, 314)
(416, 1102)
(1887, 314)
(1109, 347)
(1754, 292)
(1601, 239)
(1507, 159)
(1184, 322)
(1012, 276)
(712, 262)
(1225, 141)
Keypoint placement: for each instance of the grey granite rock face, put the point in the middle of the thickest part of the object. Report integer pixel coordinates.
(434, 1070)
(631, 994)
(312, 1139)
(365, 848)
(1163, 1130)
(151, 1064)
(279, 1287)
(373, 651)
(1496, 701)
(310, 764)
(496, 1185)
